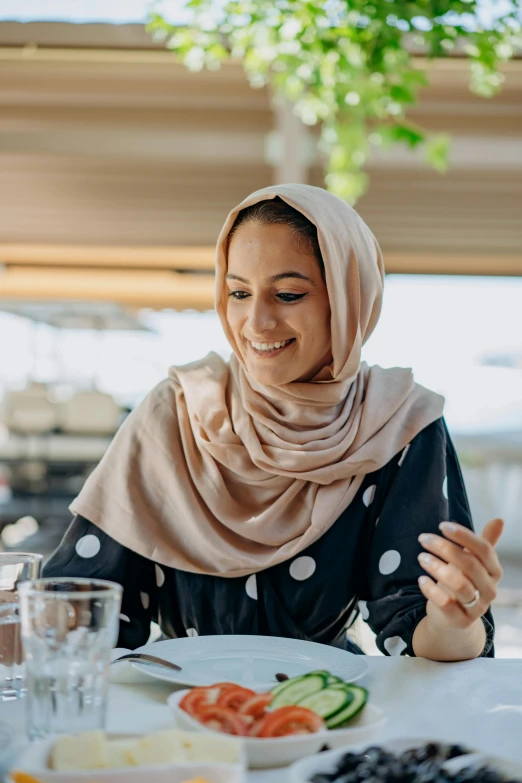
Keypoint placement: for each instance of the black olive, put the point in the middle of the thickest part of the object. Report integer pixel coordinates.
(455, 750)
(282, 677)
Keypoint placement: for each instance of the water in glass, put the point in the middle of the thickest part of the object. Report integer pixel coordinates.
(69, 627)
(15, 567)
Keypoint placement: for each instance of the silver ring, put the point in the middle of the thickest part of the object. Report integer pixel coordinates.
(473, 601)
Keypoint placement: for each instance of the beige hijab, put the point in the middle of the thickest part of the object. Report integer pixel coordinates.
(215, 474)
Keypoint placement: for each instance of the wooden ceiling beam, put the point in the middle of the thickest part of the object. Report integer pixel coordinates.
(137, 288)
(190, 258)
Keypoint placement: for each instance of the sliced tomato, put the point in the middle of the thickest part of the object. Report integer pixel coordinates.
(224, 686)
(235, 697)
(256, 706)
(286, 721)
(198, 698)
(223, 719)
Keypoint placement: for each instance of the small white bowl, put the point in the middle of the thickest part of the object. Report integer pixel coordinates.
(34, 760)
(279, 752)
(304, 770)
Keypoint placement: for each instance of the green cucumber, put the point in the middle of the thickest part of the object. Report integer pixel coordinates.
(360, 697)
(333, 680)
(328, 702)
(296, 689)
(281, 686)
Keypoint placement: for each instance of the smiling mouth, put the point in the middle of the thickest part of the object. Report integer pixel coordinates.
(268, 350)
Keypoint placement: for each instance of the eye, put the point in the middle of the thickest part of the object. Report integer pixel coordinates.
(239, 295)
(287, 298)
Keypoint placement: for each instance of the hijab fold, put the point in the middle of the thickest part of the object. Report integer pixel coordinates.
(214, 473)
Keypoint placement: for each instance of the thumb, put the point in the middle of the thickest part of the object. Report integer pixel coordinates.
(493, 531)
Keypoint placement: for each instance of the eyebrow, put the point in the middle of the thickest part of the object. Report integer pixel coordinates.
(275, 278)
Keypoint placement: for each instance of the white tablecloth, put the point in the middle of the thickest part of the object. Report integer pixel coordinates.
(476, 702)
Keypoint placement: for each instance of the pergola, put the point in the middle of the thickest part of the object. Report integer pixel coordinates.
(118, 167)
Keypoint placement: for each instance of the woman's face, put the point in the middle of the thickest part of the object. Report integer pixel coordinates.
(278, 308)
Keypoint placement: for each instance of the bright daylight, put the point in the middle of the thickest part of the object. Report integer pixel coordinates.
(260, 391)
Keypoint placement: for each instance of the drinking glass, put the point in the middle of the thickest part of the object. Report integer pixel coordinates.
(69, 627)
(15, 567)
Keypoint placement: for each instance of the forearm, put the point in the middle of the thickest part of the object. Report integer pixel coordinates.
(447, 644)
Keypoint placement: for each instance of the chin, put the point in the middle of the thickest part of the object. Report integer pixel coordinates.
(269, 378)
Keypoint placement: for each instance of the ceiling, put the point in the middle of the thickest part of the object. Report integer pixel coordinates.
(119, 168)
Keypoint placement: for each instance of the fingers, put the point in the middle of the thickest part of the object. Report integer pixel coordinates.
(449, 577)
(477, 545)
(466, 573)
(452, 610)
(493, 531)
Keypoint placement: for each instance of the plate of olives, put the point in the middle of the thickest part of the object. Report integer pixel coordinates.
(405, 761)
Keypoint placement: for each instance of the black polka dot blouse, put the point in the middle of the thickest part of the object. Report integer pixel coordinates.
(366, 563)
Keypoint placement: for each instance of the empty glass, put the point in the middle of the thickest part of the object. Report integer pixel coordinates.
(15, 567)
(69, 627)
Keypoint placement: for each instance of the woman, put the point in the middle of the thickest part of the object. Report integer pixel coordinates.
(285, 491)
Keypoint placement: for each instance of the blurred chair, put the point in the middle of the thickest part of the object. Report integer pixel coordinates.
(29, 411)
(90, 413)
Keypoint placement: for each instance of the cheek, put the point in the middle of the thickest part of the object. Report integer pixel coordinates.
(234, 318)
(315, 327)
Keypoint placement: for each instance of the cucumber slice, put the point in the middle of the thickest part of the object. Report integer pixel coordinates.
(328, 702)
(333, 680)
(360, 697)
(298, 689)
(281, 686)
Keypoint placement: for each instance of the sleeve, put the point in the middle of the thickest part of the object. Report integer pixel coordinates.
(86, 551)
(425, 488)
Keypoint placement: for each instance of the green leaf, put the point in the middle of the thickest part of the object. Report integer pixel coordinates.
(346, 64)
(437, 152)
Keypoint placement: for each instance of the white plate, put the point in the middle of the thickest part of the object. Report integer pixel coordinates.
(252, 661)
(35, 761)
(303, 771)
(282, 751)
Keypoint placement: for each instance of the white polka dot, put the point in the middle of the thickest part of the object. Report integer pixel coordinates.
(364, 610)
(389, 561)
(403, 455)
(160, 576)
(302, 568)
(445, 487)
(88, 546)
(125, 618)
(251, 587)
(145, 600)
(394, 645)
(192, 632)
(369, 495)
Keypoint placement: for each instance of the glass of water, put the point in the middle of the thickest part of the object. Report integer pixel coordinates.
(15, 567)
(69, 627)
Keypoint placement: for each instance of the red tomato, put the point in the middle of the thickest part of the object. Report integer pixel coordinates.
(256, 706)
(224, 686)
(197, 698)
(288, 720)
(223, 719)
(235, 697)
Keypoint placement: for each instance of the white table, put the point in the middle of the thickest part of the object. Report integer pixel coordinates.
(476, 702)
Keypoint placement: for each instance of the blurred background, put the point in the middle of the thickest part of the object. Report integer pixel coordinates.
(117, 168)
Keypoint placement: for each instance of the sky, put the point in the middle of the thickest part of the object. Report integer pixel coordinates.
(121, 11)
(444, 328)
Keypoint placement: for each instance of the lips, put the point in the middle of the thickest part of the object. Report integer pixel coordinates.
(267, 350)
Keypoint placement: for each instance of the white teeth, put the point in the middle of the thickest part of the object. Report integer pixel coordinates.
(269, 346)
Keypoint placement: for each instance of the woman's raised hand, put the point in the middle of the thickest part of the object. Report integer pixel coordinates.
(464, 570)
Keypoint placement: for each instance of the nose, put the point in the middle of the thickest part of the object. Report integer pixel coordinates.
(261, 316)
